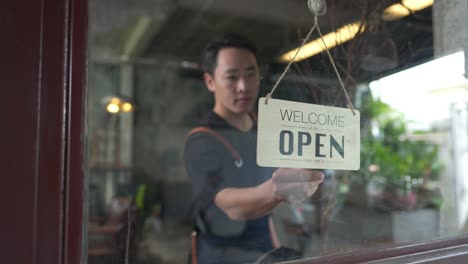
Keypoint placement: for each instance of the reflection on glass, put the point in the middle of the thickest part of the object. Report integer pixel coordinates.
(146, 91)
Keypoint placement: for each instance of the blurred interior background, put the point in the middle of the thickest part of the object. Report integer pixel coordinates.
(404, 64)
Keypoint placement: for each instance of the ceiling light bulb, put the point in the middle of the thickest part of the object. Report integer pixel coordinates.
(398, 11)
(127, 107)
(115, 100)
(113, 108)
(331, 40)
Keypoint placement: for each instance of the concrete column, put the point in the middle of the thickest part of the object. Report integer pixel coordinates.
(126, 119)
(450, 23)
(120, 147)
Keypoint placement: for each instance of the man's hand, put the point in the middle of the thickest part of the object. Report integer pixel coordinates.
(291, 185)
(296, 185)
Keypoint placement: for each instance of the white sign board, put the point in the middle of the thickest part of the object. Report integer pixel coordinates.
(300, 135)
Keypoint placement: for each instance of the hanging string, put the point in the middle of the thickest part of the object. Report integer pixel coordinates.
(350, 104)
(318, 8)
(289, 64)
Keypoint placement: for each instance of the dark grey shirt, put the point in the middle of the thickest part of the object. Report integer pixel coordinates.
(212, 168)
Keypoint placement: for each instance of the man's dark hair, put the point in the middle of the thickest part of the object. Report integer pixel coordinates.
(210, 53)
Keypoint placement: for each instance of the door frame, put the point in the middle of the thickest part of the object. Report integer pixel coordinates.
(42, 76)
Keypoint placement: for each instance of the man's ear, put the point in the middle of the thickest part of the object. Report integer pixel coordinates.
(209, 81)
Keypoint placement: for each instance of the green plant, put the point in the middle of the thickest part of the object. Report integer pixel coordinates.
(388, 152)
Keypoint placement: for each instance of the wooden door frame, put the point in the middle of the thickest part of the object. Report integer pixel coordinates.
(75, 205)
(42, 76)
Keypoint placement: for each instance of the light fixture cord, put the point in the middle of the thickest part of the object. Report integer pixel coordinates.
(129, 227)
(270, 94)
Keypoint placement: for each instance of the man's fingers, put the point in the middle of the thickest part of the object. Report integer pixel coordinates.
(296, 188)
(297, 175)
(297, 192)
(296, 185)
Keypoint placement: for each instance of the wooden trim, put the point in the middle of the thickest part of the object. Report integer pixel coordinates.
(43, 76)
(51, 130)
(432, 250)
(75, 156)
(20, 46)
(452, 255)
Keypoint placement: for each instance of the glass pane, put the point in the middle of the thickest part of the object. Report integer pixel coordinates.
(152, 182)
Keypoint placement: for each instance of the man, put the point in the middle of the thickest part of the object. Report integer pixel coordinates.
(234, 196)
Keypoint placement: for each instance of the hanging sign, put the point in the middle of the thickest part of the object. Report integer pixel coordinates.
(300, 135)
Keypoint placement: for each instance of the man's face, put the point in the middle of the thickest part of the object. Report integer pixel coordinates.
(235, 81)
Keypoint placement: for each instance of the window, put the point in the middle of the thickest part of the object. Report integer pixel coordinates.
(404, 71)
